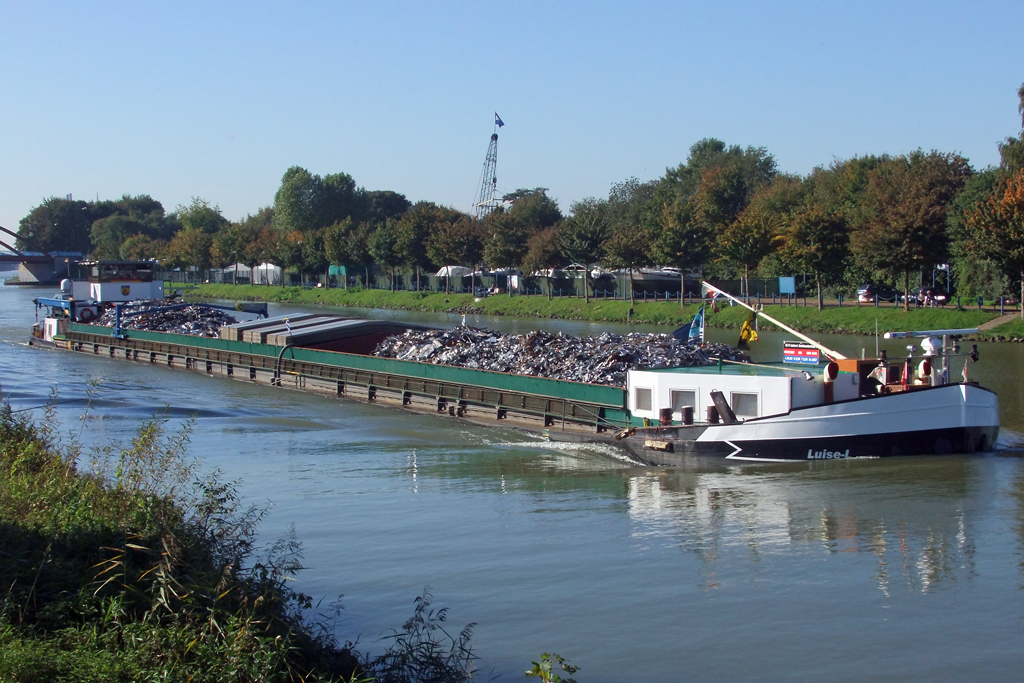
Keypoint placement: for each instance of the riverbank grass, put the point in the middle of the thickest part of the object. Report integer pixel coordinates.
(139, 570)
(846, 319)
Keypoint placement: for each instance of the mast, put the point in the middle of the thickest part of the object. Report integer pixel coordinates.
(835, 355)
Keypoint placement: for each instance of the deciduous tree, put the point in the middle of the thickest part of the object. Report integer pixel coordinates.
(757, 231)
(414, 230)
(543, 254)
(629, 246)
(336, 245)
(108, 234)
(296, 201)
(681, 240)
(385, 204)
(507, 240)
(996, 226)
(314, 254)
(140, 247)
(818, 242)
(907, 200)
(199, 214)
(190, 247)
(582, 234)
(1011, 150)
(749, 239)
(383, 246)
(460, 242)
(57, 225)
(305, 201)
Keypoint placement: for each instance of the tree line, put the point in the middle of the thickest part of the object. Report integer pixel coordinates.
(726, 211)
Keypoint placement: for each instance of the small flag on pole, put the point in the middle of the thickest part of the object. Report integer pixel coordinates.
(697, 328)
(497, 120)
(286, 325)
(693, 331)
(704, 290)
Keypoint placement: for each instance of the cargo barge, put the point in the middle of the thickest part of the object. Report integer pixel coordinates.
(833, 408)
(534, 403)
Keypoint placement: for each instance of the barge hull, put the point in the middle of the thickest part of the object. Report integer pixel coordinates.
(869, 427)
(532, 403)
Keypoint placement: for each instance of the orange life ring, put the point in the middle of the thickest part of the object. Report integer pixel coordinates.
(86, 314)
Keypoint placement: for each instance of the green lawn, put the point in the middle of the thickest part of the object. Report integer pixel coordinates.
(848, 319)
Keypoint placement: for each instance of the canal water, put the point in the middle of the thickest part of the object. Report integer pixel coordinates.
(900, 569)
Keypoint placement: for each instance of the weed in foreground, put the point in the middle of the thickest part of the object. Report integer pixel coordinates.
(141, 569)
(424, 651)
(544, 669)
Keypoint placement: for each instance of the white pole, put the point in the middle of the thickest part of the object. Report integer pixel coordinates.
(821, 347)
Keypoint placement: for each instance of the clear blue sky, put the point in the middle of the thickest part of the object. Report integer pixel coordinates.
(218, 99)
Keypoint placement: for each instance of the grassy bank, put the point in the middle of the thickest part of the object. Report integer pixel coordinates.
(137, 570)
(140, 569)
(847, 319)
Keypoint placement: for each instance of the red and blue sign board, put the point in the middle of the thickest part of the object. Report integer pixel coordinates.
(800, 353)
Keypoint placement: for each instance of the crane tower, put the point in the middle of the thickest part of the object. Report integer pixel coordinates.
(486, 199)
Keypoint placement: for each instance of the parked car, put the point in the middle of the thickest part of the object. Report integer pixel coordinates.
(936, 295)
(866, 294)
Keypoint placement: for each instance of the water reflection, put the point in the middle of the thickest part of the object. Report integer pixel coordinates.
(1016, 490)
(860, 509)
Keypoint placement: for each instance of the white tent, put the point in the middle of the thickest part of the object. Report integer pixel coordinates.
(266, 273)
(454, 271)
(237, 271)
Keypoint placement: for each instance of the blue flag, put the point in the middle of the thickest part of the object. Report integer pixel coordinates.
(697, 328)
(497, 120)
(693, 331)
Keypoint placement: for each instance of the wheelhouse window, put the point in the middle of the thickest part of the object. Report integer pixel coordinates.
(642, 398)
(744, 404)
(121, 271)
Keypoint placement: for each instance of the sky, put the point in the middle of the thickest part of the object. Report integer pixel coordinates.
(217, 100)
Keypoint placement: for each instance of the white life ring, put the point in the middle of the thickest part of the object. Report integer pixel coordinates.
(86, 314)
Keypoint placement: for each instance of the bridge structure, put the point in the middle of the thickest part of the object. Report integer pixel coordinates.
(37, 267)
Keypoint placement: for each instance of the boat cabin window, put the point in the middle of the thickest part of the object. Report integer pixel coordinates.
(744, 405)
(642, 398)
(682, 398)
(121, 272)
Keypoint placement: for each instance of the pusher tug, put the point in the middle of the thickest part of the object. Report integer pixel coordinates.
(810, 410)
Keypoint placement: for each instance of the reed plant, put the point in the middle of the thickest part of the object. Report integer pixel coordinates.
(138, 569)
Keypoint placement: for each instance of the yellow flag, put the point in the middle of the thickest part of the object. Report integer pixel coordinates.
(748, 331)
